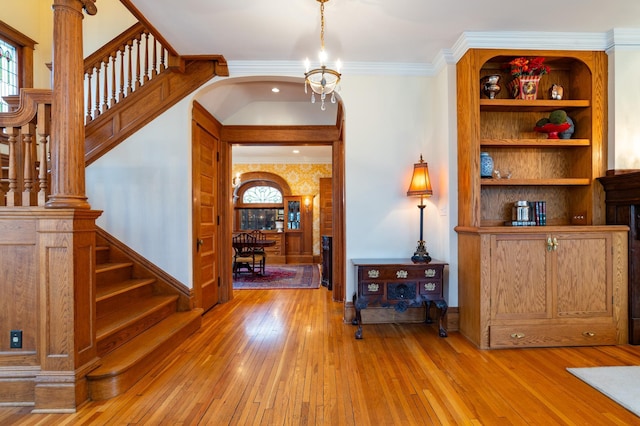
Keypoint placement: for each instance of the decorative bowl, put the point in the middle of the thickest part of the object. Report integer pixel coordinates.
(552, 130)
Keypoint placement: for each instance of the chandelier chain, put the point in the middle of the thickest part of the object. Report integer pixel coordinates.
(322, 25)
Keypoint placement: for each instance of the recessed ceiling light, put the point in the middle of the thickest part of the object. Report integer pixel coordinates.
(296, 151)
(275, 90)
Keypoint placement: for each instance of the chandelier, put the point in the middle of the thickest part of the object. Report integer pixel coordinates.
(322, 80)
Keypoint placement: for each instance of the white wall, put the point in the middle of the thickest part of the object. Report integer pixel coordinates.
(624, 107)
(386, 131)
(144, 188)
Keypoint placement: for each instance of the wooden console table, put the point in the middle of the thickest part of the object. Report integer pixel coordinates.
(400, 284)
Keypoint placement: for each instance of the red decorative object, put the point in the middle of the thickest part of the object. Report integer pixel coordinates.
(526, 73)
(552, 130)
(525, 87)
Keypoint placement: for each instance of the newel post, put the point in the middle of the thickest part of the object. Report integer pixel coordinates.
(67, 121)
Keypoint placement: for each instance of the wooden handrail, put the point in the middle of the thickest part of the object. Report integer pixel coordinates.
(24, 179)
(121, 66)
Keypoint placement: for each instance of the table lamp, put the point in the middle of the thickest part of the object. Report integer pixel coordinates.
(420, 186)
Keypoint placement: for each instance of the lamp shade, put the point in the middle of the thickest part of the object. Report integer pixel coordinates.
(420, 182)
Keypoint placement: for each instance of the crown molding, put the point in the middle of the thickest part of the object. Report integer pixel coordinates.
(615, 39)
(296, 69)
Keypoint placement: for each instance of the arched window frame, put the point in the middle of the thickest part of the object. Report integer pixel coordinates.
(254, 183)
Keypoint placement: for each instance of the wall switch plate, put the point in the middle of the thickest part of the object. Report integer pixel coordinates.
(16, 339)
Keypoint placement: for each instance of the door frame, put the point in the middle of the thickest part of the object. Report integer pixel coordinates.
(283, 135)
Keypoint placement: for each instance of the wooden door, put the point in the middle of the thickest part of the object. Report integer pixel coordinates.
(206, 146)
(584, 282)
(520, 277)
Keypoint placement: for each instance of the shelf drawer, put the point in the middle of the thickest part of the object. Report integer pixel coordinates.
(510, 336)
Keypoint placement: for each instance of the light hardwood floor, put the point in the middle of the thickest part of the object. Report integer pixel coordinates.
(286, 358)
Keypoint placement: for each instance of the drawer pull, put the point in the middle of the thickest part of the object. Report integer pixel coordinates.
(430, 273)
(373, 287)
(429, 286)
(517, 335)
(373, 273)
(401, 273)
(588, 334)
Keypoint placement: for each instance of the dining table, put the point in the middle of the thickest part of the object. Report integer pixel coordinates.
(241, 246)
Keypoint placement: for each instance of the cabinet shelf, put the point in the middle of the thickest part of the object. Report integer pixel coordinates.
(537, 105)
(536, 182)
(533, 143)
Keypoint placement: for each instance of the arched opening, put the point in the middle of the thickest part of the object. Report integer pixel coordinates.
(307, 126)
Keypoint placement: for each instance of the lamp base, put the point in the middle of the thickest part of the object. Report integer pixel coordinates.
(421, 255)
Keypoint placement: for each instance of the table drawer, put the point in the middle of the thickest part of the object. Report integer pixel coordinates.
(430, 288)
(541, 335)
(371, 288)
(395, 273)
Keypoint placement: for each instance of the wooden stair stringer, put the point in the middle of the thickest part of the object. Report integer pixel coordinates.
(146, 103)
(141, 316)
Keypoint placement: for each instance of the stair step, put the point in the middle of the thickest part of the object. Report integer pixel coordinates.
(113, 289)
(113, 272)
(122, 324)
(102, 254)
(123, 367)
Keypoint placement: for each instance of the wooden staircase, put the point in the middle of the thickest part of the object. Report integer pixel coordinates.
(142, 313)
(140, 318)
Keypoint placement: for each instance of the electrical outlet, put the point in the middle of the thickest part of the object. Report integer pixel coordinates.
(16, 339)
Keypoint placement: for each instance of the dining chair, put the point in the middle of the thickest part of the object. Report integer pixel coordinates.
(245, 256)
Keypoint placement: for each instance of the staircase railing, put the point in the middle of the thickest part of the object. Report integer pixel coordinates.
(24, 177)
(120, 67)
(111, 74)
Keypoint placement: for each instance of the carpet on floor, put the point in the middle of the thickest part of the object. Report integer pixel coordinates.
(622, 384)
(279, 277)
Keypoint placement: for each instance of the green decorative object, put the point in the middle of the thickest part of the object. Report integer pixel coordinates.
(558, 117)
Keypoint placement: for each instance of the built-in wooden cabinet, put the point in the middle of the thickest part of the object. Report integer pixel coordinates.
(294, 244)
(298, 211)
(551, 289)
(555, 285)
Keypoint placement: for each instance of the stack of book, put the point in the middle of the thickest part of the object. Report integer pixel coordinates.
(537, 215)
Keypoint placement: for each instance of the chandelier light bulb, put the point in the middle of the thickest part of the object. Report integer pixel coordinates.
(322, 80)
(322, 57)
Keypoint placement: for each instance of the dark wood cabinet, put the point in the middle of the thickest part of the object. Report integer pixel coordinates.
(326, 261)
(399, 284)
(623, 208)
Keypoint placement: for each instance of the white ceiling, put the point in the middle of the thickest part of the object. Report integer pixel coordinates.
(252, 154)
(399, 31)
(365, 35)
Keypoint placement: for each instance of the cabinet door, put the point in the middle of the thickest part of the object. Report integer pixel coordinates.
(520, 277)
(584, 282)
(293, 243)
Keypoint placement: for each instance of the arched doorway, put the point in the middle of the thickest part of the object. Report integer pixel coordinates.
(304, 131)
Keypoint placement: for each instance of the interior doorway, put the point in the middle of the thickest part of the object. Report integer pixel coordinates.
(278, 155)
(322, 136)
(296, 172)
(241, 106)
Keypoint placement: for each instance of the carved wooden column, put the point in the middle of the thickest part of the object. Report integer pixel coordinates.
(67, 136)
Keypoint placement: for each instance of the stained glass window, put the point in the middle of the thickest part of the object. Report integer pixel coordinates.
(8, 73)
(262, 194)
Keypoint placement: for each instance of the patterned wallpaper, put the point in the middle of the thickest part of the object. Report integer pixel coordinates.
(303, 179)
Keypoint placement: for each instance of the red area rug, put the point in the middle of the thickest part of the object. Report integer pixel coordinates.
(279, 277)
